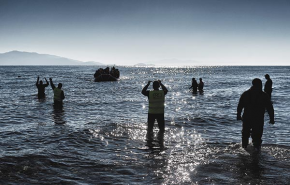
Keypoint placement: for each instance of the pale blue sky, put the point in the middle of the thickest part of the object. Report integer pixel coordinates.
(124, 32)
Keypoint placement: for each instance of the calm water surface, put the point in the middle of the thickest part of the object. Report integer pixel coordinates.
(99, 136)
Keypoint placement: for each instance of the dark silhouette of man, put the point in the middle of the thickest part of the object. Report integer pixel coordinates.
(200, 85)
(58, 93)
(254, 102)
(41, 88)
(194, 85)
(268, 86)
(156, 99)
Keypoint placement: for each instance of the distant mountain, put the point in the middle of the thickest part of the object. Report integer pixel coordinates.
(29, 58)
(176, 62)
(144, 65)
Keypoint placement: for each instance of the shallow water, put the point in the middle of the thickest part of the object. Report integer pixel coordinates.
(99, 136)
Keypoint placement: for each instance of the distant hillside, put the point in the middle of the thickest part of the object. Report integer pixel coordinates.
(176, 62)
(29, 58)
(144, 65)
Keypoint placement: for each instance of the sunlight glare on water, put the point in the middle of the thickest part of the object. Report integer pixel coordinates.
(100, 136)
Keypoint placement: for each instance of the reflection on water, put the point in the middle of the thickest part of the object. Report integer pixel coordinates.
(104, 141)
(250, 166)
(155, 143)
(58, 114)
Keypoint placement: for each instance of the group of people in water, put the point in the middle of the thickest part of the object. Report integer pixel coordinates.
(252, 103)
(114, 72)
(58, 94)
(194, 85)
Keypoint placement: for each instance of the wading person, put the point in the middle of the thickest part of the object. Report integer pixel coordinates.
(156, 99)
(41, 88)
(58, 94)
(194, 85)
(200, 85)
(268, 85)
(254, 102)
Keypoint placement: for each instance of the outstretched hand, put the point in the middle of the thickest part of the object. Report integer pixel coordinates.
(149, 82)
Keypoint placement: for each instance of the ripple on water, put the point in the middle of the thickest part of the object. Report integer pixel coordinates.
(102, 138)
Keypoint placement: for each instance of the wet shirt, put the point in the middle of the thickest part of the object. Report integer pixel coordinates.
(147, 93)
(254, 104)
(41, 89)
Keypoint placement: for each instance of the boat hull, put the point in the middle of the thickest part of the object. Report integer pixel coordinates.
(105, 78)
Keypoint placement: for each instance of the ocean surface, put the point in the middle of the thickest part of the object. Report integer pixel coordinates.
(99, 137)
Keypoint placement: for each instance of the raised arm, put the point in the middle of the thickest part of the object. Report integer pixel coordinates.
(47, 83)
(51, 84)
(163, 87)
(37, 81)
(144, 90)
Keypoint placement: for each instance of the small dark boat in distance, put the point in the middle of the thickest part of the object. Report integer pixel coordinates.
(103, 75)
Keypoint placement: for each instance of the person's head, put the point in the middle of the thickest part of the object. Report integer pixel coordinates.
(267, 76)
(200, 79)
(59, 85)
(257, 84)
(193, 79)
(41, 82)
(156, 85)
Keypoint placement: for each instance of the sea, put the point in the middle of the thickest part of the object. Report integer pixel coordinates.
(99, 136)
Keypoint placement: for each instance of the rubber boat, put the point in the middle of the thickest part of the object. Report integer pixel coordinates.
(105, 77)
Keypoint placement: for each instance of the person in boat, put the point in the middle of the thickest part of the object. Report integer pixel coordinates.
(107, 70)
(194, 85)
(253, 102)
(268, 85)
(58, 93)
(97, 73)
(41, 88)
(200, 85)
(115, 72)
(156, 99)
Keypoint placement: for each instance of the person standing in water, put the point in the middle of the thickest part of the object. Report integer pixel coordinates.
(268, 86)
(254, 102)
(58, 93)
(41, 88)
(194, 85)
(200, 85)
(156, 99)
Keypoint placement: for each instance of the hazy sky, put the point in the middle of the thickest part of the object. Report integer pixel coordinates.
(217, 32)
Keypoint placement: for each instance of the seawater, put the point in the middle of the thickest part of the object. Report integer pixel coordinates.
(99, 136)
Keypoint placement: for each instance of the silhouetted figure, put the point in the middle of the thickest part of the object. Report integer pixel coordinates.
(97, 73)
(58, 94)
(194, 85)
(268, 86)
(254, 102)
(107, 70)
(41, 88)
(200, 85)
(156, 99)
